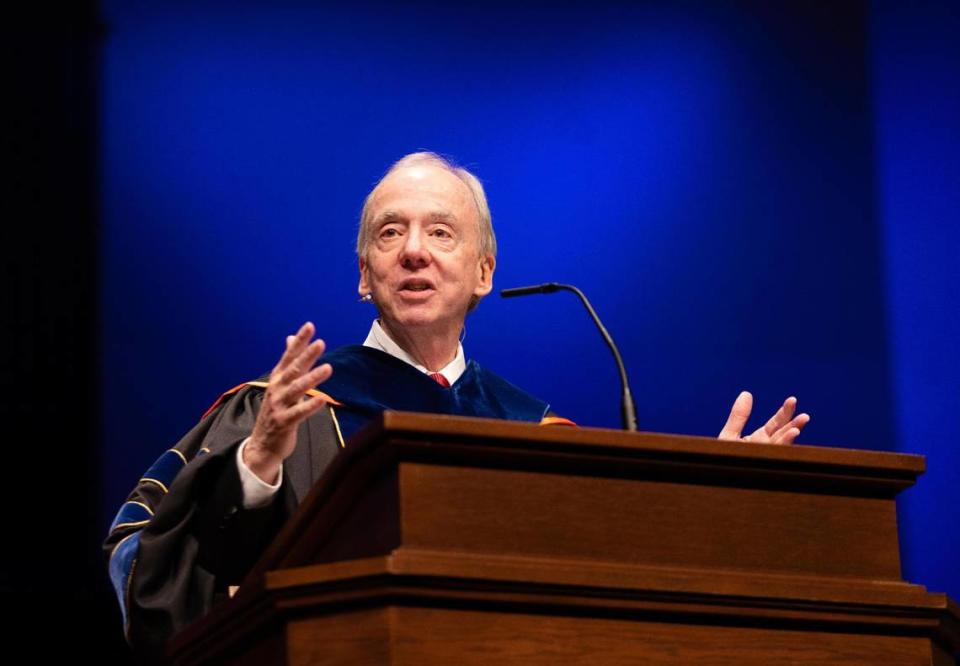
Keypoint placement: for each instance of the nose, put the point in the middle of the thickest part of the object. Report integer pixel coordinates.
(414, 253)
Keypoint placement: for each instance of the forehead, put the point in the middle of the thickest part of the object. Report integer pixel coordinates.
(423, 189)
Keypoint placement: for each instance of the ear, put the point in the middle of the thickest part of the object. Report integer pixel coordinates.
(364, 287)
(486, 267)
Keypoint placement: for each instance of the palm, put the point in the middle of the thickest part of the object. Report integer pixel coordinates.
(782, 428)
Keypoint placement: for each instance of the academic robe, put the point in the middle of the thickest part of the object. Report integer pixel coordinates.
(182, 536)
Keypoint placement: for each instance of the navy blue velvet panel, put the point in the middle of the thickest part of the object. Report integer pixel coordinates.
(369, 381)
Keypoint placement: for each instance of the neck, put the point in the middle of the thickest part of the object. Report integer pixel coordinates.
(433, 350)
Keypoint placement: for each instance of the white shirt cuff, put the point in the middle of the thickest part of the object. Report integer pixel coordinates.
(256, 492)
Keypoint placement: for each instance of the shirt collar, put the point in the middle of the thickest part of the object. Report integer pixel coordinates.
(377, 338)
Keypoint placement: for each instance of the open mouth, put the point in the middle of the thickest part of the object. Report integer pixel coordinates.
(416, 285)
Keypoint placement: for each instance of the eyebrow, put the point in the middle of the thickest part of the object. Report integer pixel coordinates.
(388, 216)
(443, 216)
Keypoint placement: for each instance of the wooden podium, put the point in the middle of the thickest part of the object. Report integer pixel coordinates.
(448, 540)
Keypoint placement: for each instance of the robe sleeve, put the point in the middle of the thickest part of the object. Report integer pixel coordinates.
(551, 418)
(182, 536)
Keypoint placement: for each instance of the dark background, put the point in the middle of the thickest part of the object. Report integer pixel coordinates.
(755, 195)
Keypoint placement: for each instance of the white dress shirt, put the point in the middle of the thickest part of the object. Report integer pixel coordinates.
(257, 493)
(378, 339)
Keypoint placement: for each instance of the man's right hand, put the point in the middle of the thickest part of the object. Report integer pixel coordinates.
(284, 407)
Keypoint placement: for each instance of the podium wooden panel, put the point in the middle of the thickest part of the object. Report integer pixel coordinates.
(438, 540)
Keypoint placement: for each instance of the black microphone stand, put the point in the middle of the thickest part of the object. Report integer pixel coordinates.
(628, 410)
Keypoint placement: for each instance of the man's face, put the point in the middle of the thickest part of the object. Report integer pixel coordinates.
(423, 262)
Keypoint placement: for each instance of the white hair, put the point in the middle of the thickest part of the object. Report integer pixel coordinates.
(488, 241)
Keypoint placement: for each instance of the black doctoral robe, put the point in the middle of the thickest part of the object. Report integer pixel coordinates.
(183, 536)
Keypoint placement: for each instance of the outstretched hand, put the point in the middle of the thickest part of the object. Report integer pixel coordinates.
(284, 408)
(782, 428)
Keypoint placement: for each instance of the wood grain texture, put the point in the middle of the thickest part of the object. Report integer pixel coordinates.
(432, 608)
(353, 638)
(646, 444)
(647, 522)
(437, 636)
(660, 585)
(433, 540)
(344, 499)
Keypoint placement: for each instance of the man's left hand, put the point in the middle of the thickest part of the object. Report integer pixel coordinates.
(782, 428)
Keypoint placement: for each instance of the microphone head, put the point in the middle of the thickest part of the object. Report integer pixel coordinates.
(545, 288)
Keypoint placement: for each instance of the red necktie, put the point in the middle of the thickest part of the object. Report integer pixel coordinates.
(440, 379)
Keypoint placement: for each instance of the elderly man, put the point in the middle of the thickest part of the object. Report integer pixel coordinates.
(202, 514)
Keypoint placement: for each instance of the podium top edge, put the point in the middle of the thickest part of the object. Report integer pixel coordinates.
(651, 443)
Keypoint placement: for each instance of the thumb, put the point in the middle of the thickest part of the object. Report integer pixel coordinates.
(739, 414)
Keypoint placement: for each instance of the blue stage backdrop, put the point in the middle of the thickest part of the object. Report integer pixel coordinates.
(705, 171)
(916, 65)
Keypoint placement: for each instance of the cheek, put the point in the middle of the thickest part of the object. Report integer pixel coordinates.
(376, 272)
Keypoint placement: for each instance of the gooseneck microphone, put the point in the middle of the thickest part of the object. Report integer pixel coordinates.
(627, 409)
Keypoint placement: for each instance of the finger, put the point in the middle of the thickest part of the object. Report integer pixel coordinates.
(739, 415)
(295, 390)
(301, 411)
(307, 357)
(781, 417)
(299, 365)
(788, 433)
(295, 345)
(788, 436)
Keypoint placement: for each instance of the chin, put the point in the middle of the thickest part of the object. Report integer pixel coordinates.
(422, 320)
(413, 318)
(417, 322)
